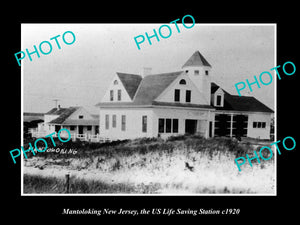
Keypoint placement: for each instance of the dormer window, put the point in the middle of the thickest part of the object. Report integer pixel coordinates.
(196, 72)
(182, 81)
(219, 100)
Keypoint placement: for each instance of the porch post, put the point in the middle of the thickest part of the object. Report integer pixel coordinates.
(77, 130)
(231, 124)
(213, 125)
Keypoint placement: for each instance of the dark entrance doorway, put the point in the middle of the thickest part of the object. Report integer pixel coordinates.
(190, 126)
(57, 128)
(210, 129)
(222, 125)
(240, 124)
(80, 129)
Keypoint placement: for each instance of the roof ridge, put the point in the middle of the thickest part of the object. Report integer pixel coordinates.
(158, 74)
(128, 74)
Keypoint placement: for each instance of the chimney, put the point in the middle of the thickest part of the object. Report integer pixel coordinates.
(146, 71)
(58, 107)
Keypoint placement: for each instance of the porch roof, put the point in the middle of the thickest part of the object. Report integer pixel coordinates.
(80, 122)
(152, 105)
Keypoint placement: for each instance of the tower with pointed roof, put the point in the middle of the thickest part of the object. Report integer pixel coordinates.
(198, 69)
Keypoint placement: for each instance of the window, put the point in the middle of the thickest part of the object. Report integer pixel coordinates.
(111, 95)
(175, 125)
(182, 81)
(144, 123)
(114, 121)
(168, 125)
(188, 96)
(119, 95)
(72, 127)
(115, 82)
(106, 122)
(206, 72)
(186, 71)
(259, 124)
(80, 116)
(219, 100)
(196, 72)
(161, 125)
(177, 95)
(89, 127)
(171, 125)
(123, 118)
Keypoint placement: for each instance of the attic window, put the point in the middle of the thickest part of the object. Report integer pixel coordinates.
(80, 116)
(182, 81)
(206, 72)
(115, 82)
(196, 72)
(219, 100)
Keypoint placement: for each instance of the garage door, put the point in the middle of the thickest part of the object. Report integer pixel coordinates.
(240, 124)
(222, 125)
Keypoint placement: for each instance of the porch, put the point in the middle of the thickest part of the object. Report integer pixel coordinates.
(75, 136)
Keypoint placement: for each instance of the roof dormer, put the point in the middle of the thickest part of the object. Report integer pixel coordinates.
(217, 98)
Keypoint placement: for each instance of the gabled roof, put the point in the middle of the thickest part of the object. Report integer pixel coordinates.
(82, 122)
(196, 60)
(149, 89)
(64, 117)
(63, 113)
(214, 88)
(153, 85)
(241, 103)
(130, 82)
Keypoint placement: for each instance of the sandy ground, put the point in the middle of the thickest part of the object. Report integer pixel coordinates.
(173, 179)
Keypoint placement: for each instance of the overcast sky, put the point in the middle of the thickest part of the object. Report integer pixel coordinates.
(79, 74)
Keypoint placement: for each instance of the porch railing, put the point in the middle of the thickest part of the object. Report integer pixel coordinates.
(82, 137)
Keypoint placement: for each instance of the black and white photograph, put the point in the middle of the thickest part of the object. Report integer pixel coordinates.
(112, 114)
(173, 109)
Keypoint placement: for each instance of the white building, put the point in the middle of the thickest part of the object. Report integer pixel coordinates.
(81, 124)
(177, 103)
